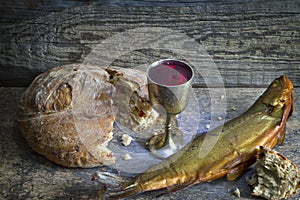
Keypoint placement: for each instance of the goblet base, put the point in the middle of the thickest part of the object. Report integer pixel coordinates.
(164, 145)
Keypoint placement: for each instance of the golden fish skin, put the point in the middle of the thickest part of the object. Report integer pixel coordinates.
(263, 124)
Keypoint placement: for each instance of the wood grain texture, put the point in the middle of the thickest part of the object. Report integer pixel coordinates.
(251, 42)
(27, 175)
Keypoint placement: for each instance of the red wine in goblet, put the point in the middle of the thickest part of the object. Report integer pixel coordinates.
(169, 85)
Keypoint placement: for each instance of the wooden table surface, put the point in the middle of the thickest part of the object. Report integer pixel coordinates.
(250, 43)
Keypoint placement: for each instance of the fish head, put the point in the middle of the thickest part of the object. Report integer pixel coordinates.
(279, 96)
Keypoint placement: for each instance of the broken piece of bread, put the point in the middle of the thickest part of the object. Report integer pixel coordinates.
(276, 177)
(67, 113)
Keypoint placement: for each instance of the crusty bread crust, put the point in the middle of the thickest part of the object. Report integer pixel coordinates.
(276, 177)
(67, 113)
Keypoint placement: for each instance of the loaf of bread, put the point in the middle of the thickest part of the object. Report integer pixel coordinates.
(67, 113)
(276, 177)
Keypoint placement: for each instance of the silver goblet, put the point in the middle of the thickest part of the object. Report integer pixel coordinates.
(169, 85)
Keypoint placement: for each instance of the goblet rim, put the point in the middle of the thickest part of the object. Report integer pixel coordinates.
(170, 59)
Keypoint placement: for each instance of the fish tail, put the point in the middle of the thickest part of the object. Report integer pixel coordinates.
(109, 179)
(117, 187)
(130, 190)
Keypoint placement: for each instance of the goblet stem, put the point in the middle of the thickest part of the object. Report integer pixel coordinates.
(166, 138)
(164, 145)
(168, 135)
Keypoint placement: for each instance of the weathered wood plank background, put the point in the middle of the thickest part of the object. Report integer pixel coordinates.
(251, 43)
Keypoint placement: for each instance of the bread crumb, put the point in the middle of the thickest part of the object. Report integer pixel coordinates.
(237, 192)
(127, 156)
(233, 108)
(126, 140)
(207, 126)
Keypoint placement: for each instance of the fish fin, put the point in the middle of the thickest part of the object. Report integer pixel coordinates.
(277, 140)
(281, 136)
(237, 169)
(243, 157)
(236, 172)
(175, 188)
(272, 143)
(123, 193)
